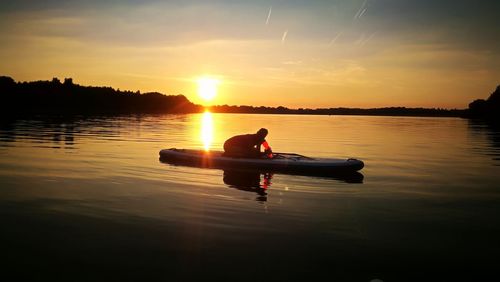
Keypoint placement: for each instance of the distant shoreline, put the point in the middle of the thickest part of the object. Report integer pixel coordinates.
(389, 111)
(66, 98)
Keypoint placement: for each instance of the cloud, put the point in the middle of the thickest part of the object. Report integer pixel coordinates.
(283, 37)
(469, 24)
(149, 24)
(269, 15)
(361, 10)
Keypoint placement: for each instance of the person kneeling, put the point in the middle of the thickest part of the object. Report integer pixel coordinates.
(248, 145)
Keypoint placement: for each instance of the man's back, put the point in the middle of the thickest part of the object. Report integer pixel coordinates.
(247, 145)
(246, 141)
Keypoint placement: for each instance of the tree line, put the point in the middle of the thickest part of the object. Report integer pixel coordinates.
(69, 98)
(56, 97)
(387, 111)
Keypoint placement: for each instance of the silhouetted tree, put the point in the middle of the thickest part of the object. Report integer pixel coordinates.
(487, 109)
(7, 85)
(477, 107)
(69, 81)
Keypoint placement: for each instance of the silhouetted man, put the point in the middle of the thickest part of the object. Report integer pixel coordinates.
(248, 145)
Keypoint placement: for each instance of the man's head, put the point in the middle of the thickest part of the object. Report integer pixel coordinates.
(262, 133)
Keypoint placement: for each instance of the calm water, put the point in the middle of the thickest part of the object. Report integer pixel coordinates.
(88, 199)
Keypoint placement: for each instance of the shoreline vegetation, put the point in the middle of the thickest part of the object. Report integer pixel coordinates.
(67, 98)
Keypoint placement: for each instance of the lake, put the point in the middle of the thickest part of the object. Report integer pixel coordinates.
(86, 199)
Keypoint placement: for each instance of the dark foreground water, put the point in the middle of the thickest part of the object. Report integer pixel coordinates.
(86, 199)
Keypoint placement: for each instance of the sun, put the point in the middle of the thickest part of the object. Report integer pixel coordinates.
(207, 88)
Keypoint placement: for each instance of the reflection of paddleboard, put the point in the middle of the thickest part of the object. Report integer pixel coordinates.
(283, 162)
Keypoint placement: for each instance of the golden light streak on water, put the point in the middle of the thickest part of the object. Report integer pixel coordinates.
(207, 130)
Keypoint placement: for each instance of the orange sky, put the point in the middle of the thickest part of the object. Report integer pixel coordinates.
(291, 53)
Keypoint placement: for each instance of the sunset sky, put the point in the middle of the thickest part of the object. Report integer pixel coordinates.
(366, 53)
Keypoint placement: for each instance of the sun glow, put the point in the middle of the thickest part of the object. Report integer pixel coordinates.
(207, 88)
(207, 130)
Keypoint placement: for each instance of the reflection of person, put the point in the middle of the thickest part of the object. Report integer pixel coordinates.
(248, 180)
(247, 145)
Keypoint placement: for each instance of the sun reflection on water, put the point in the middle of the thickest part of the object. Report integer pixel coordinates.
(207, 130)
